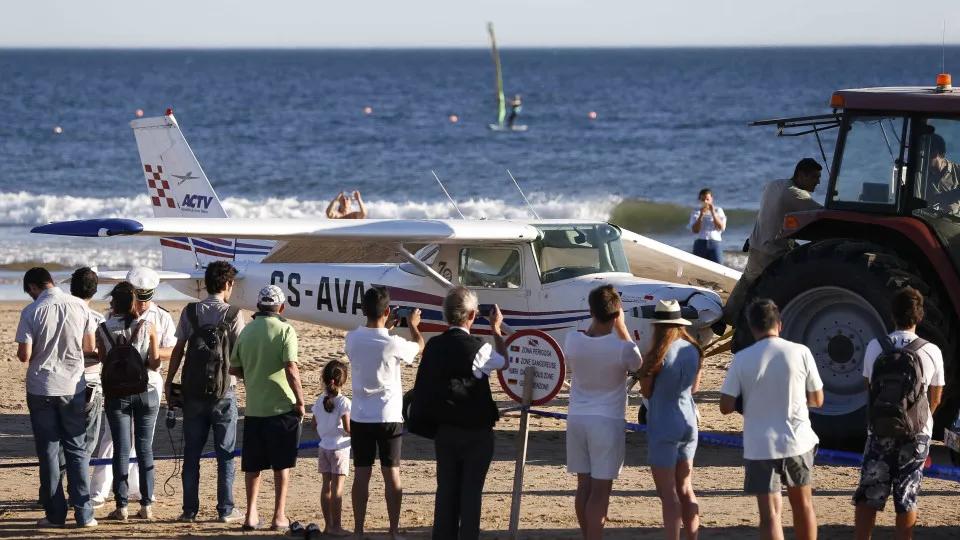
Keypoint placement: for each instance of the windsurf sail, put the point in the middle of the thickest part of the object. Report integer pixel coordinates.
(501, 103)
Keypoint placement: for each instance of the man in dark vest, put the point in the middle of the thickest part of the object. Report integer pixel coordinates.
(454, 376)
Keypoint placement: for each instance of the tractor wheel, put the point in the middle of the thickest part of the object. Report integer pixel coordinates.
(834, 297)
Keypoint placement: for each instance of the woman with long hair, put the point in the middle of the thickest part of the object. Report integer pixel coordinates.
(331, 417)
(125, 329)
(669, 376)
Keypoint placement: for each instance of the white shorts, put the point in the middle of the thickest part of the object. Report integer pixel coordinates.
(334, 461)
(596, 445)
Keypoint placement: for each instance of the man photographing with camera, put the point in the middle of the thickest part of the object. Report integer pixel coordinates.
(376, 418)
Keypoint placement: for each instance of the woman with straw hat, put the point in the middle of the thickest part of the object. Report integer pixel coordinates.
(668, 377)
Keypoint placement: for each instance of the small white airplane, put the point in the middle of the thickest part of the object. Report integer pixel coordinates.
(539, 271)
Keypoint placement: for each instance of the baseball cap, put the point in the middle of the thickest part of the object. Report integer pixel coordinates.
(145, 281)
(271, 295)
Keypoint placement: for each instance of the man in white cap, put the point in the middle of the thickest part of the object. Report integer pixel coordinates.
(145, 282)
(265, 358)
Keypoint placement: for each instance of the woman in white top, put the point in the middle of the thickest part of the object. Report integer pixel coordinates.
(708, 223)
(140, 409)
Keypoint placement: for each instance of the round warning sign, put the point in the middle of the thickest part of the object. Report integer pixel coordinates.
(537, 349)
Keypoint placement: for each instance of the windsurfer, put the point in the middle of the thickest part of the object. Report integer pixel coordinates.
(515, 106)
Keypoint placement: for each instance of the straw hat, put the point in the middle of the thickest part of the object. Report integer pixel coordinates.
(668, 312)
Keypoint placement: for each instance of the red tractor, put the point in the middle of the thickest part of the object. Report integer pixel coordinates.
(891, 218)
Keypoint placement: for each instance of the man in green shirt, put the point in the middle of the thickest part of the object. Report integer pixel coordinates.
(265, 357)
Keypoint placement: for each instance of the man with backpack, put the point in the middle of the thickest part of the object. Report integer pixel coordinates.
(905, 380)
(206, 333)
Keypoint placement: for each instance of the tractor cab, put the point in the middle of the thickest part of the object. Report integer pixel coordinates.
(891, 218)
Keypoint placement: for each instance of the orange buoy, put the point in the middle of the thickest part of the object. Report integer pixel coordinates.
(453, 118)
(58, 130)
(139, 112)
(368, 110)
(592, 115)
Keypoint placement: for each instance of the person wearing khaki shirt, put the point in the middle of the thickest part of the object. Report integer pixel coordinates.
(779, 198)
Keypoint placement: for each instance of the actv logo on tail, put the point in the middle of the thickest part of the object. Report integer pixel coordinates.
(196, 203)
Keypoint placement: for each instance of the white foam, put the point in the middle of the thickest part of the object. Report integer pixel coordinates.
(29, 209)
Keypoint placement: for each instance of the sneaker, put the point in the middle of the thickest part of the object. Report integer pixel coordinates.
(90, 524)
(120, 514)
(187, 517)
(234, 515)
(46, 524)
(146, 512)
(98, 502)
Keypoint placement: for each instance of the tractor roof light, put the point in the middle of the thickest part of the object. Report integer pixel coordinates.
(944, 83)
(836, 101)
(790, 222)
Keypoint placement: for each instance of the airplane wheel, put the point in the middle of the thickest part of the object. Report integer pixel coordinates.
(834, 297)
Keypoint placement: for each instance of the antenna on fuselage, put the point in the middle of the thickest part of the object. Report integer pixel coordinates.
(454, 203)
(523, 195)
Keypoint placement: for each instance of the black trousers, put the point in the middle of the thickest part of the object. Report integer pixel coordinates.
(463, 458)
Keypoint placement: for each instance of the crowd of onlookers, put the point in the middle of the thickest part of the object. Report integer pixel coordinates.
(772, 383)
(80, 361)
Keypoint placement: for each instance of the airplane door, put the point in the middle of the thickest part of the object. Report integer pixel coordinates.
(496, 274)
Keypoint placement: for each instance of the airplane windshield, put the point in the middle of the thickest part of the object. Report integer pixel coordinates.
(569, 251)
(427, 254)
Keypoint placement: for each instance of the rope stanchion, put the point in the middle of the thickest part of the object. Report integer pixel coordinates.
(824, 456)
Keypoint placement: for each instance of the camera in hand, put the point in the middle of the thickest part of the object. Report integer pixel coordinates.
(176, 396)
(485, 309)
(402, 313)
(171, 418)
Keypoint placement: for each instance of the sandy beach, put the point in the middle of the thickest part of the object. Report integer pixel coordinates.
(547, 510)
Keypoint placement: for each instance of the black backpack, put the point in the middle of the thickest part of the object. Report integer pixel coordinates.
(124, 368)
(898, 406)
(206, 364)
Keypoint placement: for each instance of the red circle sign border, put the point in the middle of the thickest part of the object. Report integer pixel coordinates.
(563, 367)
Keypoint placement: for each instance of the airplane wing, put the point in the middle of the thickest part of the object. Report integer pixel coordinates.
(654, 260)
(423, 231)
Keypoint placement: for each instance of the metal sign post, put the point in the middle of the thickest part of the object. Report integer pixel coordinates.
(528, 374)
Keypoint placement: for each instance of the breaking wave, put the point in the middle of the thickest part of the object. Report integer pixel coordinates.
(18, 211)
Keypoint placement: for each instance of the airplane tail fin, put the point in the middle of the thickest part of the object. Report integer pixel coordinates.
(178, 187)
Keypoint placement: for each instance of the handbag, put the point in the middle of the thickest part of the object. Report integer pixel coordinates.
(417, 416)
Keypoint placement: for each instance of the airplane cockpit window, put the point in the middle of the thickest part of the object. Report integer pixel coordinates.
(492, 268)
(568, 251)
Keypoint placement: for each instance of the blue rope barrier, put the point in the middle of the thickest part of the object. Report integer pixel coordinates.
(824, 456)
(208, 455)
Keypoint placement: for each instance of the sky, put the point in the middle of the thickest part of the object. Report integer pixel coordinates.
(461, 23)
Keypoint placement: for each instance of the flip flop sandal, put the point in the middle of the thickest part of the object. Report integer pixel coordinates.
(296, 529)
(280, 528)
(313, 531)
(247, 527)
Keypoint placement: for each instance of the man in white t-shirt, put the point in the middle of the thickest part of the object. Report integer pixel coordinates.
(897, 463)
(376, 416)
(778, 381)
(708, 222)
(599, 361)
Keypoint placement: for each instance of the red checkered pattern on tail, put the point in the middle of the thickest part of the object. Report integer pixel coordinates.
(159, 188)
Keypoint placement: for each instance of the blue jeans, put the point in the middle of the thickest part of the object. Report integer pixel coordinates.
(142, 410)
(711, 250)
(92, 418)
(199, 416)
(58, 421)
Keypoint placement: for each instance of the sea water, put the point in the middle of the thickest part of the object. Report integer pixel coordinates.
(279, 133)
